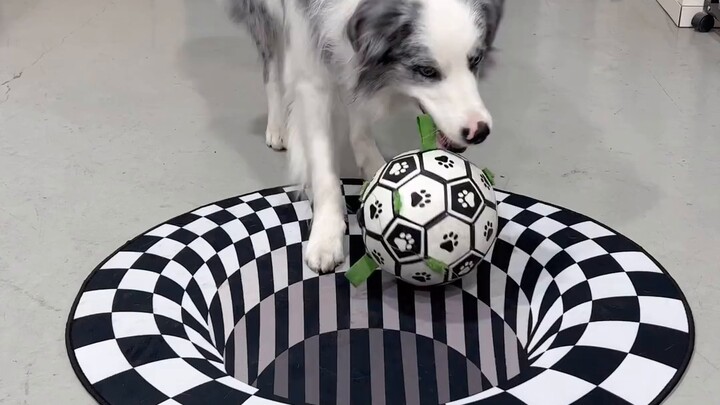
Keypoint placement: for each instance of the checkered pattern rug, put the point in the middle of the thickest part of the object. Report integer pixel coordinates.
(216, 307)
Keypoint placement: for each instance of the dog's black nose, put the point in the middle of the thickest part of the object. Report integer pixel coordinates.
(481, 133)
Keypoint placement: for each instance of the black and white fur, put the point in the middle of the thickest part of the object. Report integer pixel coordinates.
(368, 56)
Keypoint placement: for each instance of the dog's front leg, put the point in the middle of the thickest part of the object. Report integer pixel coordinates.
(276, 132)
(325, 246)
(367, 154)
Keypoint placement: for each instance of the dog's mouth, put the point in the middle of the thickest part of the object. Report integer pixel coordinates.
(443, 141)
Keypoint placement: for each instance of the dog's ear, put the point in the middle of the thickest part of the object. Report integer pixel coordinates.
(378, 27)
(488, 16)
(493, 14)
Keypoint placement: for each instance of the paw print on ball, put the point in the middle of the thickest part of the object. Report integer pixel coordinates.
(379, 252)
(466, 202)
(450, 242)
(422, 276)
(420, 198)
(376, 208)
(419, 274)
(483, 183)
(488, 231)
(445, 165)
(466, 267)
(423, 199)
(406, 240)
(376, 211)
(449, 239)
(400, 170)
(466, 199)
(485, 230)
(445, 162)
(467, 264)
(378, 258)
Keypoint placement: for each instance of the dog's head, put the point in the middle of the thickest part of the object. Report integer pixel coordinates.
(431, 51)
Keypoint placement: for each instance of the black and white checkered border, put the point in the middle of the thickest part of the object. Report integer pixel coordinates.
(602, 315)
(574, 292)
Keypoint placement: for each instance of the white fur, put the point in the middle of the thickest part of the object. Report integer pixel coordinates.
(306, 87)
(275, 134)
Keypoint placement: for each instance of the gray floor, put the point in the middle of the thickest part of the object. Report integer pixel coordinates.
(117, 115)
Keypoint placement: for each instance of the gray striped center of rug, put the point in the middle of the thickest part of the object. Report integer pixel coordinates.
(321, 342)
(371, 366)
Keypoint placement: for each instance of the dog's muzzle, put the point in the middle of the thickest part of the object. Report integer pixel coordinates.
(444, 142)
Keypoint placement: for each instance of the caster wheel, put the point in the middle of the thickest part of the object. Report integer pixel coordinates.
(703, 22)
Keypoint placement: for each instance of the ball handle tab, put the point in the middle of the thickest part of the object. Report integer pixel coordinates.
(428, 132)
(361, 270)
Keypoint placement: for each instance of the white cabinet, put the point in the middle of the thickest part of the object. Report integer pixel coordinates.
(681, 12)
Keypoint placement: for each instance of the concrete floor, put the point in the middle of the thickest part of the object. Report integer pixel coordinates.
(117, 115)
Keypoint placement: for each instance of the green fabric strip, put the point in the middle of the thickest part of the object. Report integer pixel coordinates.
(361, 270)
(490, 176)
(363, 188)
(428, 132)
(397, 203)
(436, 265)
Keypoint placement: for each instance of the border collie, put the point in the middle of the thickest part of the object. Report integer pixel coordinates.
(367, 56)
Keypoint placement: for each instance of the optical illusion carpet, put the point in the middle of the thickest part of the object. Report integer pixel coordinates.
(216, 307)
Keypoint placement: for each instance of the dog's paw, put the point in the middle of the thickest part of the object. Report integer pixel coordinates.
(275, 139)
(325, 247)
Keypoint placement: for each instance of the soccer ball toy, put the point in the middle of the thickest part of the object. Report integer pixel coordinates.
(428, 217)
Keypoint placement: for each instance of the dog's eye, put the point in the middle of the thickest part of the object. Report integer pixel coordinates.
(428, 72)
(474, 61)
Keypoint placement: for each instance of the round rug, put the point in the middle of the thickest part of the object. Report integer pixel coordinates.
(216, 307)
